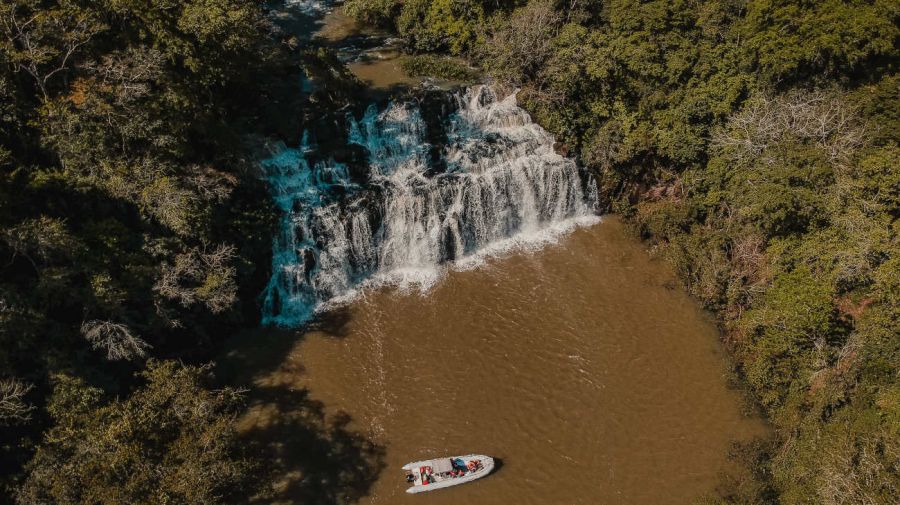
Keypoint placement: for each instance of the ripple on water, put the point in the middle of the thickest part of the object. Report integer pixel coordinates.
(593, 385)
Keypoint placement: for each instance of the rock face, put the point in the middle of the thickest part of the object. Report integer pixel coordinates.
(414, 186)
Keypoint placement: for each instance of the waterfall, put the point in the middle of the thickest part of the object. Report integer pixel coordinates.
(496, 183)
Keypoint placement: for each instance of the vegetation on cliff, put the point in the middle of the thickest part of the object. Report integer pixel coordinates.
(754, 144)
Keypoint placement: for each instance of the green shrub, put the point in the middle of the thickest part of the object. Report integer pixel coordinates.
(430, 65)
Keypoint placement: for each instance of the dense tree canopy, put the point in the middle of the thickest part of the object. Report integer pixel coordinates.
(171, 441)
(131, 224)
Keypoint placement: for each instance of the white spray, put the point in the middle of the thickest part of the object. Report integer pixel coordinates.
(503, 185)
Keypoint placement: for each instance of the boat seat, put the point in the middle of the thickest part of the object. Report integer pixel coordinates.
(441, 466)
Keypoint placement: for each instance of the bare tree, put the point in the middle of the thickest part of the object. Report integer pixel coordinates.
(129, 72)
(210, 184)
(816, 116)
(42, 42)
(116, 339)
(525, 42)
(749, 258)
(857, 470)
(13, 408)
(201, 275)
(41, 239)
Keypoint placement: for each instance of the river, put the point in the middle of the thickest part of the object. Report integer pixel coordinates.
(460, 296)
(579, 365)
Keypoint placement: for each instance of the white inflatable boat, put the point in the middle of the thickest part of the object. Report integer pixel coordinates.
(445, 472)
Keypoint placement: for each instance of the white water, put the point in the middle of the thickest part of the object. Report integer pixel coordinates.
(308, 7)
(504, 188)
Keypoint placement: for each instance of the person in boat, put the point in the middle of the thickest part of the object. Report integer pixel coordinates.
(410, 477)
(427, 477)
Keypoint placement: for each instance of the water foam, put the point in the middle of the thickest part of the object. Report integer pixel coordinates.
(309, 7)
(499, 186)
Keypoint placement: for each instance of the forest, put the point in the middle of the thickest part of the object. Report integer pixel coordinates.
(752, 144)
(132, 227)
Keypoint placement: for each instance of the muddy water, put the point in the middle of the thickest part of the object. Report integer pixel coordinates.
(579, 365)
(371, 54)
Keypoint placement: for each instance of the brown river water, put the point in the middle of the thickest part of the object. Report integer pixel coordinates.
(378, 68)
(581, 366)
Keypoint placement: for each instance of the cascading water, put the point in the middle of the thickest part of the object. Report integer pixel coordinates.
(495, 183)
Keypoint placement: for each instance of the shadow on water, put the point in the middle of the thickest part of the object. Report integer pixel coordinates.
(385, 94)
(334, 323)
(498, 465)
(310, 457)
(262, 351)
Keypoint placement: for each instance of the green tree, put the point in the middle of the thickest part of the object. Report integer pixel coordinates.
(171, 441)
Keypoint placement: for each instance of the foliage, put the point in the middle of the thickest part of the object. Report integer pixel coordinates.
(426, 65)
(13, 408)
(791, 40)
(116, 338)
(374, 12)
(131, 220)
(429, 25)
(171, 441)
(521, 43)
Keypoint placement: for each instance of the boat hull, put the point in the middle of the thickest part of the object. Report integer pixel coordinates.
(487, 466)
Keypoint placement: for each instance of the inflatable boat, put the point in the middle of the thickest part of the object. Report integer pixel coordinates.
(439, 473)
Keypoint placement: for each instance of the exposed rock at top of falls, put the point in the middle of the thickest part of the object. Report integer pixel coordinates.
(435, 180)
